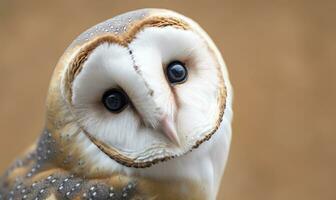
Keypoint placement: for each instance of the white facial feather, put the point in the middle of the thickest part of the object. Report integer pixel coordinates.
(141, 75)
(139, 107)
(139, 69)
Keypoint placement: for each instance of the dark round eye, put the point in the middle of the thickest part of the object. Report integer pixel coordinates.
(115, 100)
(177, 72)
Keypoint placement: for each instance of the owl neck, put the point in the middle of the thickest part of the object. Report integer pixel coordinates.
(202, 168)
(196, 173)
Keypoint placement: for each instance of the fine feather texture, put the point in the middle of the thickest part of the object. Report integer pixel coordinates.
(141, 74)
(111, 65)
(131, 52)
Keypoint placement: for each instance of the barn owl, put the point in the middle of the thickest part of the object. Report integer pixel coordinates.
(139, 107)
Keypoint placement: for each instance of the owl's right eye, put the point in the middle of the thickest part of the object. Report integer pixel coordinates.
(115, 100)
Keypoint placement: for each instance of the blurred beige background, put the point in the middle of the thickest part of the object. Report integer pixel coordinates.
(281, 58)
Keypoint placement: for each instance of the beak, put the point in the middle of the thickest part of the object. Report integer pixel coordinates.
(169, 130)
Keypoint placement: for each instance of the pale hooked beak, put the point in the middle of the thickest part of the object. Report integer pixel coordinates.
(168, 128)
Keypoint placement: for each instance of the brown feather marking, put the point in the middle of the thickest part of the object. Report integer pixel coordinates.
(123, 40)
(52, 197)
(118, 157)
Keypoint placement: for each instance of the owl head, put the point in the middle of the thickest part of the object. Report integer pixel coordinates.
(141, 88)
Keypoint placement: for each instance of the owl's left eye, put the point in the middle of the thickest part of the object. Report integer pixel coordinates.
(115, 100)
(176, 72)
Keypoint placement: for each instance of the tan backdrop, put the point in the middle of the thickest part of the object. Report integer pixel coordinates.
(281, 57)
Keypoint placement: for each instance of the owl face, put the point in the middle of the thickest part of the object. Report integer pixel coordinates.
(144, 87)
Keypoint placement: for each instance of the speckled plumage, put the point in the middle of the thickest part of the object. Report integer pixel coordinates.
(71, 162)
(33, 177)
